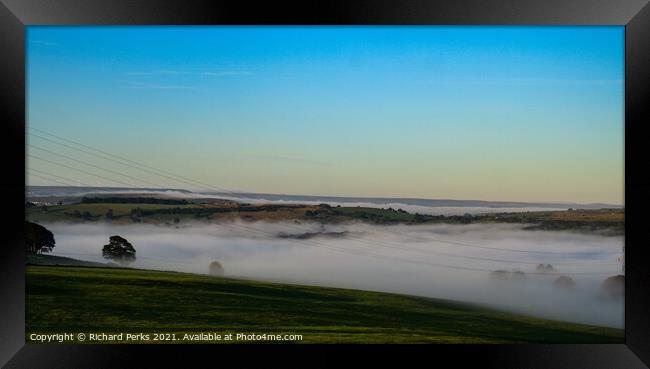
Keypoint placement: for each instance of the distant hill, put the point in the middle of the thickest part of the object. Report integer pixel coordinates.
(61, 191)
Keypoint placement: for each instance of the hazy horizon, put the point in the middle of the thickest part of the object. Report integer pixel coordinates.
(183, 192)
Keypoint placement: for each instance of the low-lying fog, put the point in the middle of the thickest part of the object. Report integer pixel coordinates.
(415, 260)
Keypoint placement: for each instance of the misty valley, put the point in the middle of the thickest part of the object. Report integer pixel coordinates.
(562, 265)
(325, 184)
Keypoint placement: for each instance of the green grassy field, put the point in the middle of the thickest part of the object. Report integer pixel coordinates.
(42, 259)
(78, 299)
(97, 211)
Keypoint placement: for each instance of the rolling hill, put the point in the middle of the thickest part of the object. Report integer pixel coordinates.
(112, 300)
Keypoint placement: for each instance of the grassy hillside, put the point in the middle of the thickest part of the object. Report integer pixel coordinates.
(41, 259)
(77, 299)
(96, 211)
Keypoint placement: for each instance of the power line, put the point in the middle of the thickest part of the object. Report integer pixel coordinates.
(107, 159)
(50, 179)
(140, 166)
(55, 176)
(92, 165)
(82, 171)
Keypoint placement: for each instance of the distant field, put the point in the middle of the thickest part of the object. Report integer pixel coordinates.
(61, 212)
(602, 221)
(78, 299)
(605, 215)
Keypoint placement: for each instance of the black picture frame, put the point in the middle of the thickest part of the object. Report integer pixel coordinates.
(633, 14)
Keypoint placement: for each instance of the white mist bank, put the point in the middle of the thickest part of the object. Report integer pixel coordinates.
(416, 260)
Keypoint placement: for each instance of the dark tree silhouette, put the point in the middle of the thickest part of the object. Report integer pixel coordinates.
(613, 287)
(564, 282)
(37, 238)
(216, 269)
(119, 249)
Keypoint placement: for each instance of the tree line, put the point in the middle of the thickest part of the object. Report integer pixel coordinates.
(133, 200)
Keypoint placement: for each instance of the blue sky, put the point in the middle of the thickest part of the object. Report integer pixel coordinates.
(492, 113)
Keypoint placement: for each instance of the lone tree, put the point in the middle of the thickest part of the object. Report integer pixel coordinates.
(548, 268)
(613, 287)
(120, 250)
(37, 238)
(564, 283)
(216, 269)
